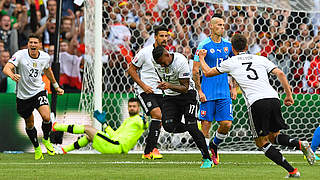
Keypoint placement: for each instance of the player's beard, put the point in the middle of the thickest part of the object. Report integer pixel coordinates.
(132, 113)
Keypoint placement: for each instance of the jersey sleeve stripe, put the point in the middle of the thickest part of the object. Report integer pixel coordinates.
(271, 70)
(219, 70)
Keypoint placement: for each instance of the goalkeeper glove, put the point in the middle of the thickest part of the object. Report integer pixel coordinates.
(101, 117)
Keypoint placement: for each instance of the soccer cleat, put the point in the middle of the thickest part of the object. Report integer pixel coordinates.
(156, 154)
(206, 163)
(307, 151)
(214, 151)
(38, 153)
(147, 156)
(294, 174)
(316, 157)
(49, 147)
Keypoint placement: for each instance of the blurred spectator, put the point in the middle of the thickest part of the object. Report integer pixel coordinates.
(47, 32)
(51, 50)
(52, 8)
(313, 76)
(8, 35)
(7, 7)
(6, 83)
(68, 28)
(266, 44)
(70, 78)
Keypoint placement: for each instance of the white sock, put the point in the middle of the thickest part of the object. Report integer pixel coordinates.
(207, 141)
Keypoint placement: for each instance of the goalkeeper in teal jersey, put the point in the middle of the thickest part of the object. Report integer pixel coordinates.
(109, 142)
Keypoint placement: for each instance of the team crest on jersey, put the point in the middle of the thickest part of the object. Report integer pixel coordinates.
(225, 49)
(13, 59)
(203, 113)
(212, 51)
(166, 70)
(34, 64)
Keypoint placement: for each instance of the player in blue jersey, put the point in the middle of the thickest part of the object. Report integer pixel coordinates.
(214, 92)
(316, 142)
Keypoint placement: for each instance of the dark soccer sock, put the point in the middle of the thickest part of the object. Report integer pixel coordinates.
(274, 154)
(286, 140)
(32, 133)
(153, 135)
(218, 138)
(46, 128)
(82, 142)
(199, 139)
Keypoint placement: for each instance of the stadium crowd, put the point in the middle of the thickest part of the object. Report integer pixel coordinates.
(290, 39)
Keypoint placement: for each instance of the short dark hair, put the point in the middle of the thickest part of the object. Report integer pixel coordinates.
(32, 35)
(134, 100)
(157, 52)
(217, 15)
(239, 42)
(160, 28)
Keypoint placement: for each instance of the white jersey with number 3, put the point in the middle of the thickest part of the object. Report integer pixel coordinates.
(251, 73)
(30, 70)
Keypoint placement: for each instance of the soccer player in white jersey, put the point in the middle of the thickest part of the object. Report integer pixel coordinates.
(25, 67)
(264, 109)
(180, 98)
(146, 89)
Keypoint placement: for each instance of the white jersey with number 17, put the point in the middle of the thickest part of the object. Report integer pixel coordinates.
(178, 69)
(251, 73)
(30, 70)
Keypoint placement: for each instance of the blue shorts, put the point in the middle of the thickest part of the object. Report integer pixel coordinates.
(220, 110)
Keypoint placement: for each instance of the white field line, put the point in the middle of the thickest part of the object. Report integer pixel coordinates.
(144, 162)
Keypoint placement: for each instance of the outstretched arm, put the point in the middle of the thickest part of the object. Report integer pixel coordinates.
(207, 71)
(48, 72)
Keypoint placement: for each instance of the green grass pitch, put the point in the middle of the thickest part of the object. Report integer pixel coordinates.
(131, 166)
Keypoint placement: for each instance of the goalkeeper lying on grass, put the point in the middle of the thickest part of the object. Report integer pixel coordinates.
(109, 142)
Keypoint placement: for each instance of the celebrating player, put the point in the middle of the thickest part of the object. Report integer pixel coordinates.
(264, 109)
(109, 142)
(147, 92)
(25, 67)
(180, 98)
(214, 92)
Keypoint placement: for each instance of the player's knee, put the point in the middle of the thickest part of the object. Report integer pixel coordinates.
(272, 136)
(226, 125)
(155, 113)
(46, 118)
(261, 141)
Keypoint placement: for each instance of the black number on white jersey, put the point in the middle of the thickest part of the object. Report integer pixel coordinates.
(255, 77)
(33, 72)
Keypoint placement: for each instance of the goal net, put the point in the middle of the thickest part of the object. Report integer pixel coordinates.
(287, 32)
